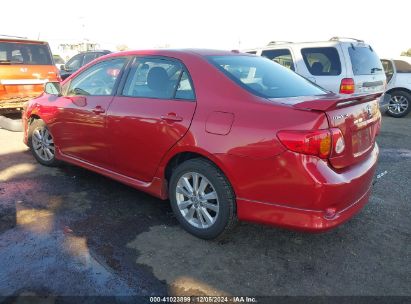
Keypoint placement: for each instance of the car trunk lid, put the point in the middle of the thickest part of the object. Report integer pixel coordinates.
(357, 117)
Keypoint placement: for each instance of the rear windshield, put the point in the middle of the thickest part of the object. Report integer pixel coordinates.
(264, 77)
(365, 61)
(29, 54)
(402, 66)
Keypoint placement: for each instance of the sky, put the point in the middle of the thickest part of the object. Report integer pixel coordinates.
(221, 24)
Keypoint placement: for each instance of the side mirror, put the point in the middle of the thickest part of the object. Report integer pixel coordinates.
(63, 67)
(53, 88)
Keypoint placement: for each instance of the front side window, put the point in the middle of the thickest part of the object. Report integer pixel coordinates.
(97, 80)
(74, 63)
(282, 57)
(264, 78)
(158, 78)
(402, 66)
(364, 61)
(322, 61)
(22, 53)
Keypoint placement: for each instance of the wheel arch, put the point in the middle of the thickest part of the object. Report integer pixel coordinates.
(33, 117)
(398, 89)
(180, 155)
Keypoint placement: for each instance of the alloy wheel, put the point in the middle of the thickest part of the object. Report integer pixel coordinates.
(43, 144)
(398, 104)
(197, 200)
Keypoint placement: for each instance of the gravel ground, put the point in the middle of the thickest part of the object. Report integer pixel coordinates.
(67, 231)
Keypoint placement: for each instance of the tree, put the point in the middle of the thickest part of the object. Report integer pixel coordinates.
(122, 47)
(406, 53)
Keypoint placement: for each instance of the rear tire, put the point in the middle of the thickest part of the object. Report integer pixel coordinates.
(41, 143)
(206, 207)
(399, 104)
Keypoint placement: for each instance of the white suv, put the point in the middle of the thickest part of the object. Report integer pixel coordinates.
(398, 94)
(340, 65)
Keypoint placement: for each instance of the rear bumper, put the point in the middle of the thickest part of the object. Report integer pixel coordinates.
(299, 191)
(14, 103)
(297, 219)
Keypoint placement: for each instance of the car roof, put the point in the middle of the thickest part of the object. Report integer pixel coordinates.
(177, 53)
(17, 40)
(324, 43)
(96, 51)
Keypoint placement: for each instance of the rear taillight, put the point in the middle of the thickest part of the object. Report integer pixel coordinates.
(321, 143)
(347, 86)
(307, 142)
(338, 142)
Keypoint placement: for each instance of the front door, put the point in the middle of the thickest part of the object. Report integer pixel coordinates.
(81, 129)
(153, 111)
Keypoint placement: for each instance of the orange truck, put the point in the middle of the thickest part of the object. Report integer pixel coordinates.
(25, 66)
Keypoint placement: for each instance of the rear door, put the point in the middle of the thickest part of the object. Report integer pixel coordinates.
(153, 111)
(324, 66)
(368, 72)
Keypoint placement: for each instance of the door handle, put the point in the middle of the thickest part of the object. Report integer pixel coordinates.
(98, 110)
(171, 117)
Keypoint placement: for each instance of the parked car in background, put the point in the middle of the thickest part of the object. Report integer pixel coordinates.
(58, 61)
(79, 60)
(258, 143)
(398, 94)
(25, 65)
(340, 65)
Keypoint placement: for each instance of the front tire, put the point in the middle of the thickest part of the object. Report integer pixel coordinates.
(41, 143)
(202, 199)
(399, 104)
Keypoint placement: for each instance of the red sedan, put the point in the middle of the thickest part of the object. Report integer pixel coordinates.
(223, 135)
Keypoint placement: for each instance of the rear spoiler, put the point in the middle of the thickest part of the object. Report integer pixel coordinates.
(338, 102)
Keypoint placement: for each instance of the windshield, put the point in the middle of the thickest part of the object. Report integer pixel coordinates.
(365, 61)
(264, 77)
(19, 53)
(58, 59)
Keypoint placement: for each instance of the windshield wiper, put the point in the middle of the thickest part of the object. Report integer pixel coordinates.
(373, 70)
(5, 61)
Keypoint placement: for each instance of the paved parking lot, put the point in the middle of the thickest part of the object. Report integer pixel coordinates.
(67, 231)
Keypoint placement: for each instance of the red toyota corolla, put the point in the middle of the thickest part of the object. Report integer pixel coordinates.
(223, 135)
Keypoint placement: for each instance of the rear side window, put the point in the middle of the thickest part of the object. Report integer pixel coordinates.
(158, 78)
(387, 65)
(322, 61)
(402, 66)
(262, 77)
(282, 57)
(25, 53)
(364, 61)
